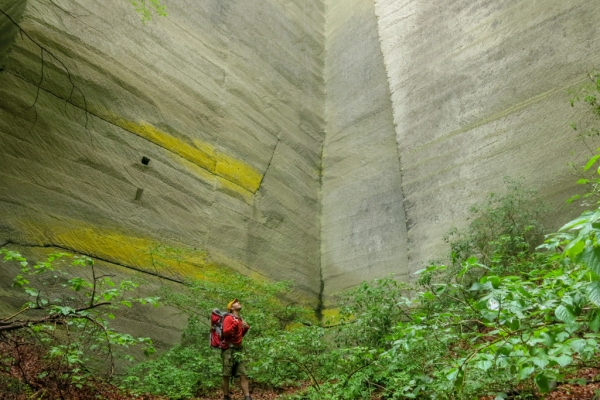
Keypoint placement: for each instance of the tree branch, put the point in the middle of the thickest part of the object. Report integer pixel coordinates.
(53, 318)
(43, 50)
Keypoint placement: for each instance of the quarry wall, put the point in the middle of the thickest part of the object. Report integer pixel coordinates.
(322, 142)
(479, 92)
(363, 223)
(201, 130)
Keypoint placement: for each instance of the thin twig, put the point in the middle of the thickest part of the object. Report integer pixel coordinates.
(110, 352)
(43, 49)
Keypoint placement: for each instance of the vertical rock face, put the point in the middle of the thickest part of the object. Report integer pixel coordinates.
(479, 91)
(319, 141)
(363, 223)
(199, 130)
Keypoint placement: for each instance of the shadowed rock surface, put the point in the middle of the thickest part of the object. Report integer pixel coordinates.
(199, 130)
(363, 222)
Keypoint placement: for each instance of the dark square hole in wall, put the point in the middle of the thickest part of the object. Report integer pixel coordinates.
(145, 160)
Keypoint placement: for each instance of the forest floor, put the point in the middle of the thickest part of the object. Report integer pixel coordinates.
(567, 391)
(29, 379)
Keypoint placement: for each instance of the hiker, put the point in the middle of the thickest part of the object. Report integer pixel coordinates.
(234, 329)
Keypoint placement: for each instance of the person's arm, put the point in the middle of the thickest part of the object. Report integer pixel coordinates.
(245, 328)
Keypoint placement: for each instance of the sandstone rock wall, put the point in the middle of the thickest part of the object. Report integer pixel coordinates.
(201, 130)
(323, 142)
(363, 222)
(479, 92)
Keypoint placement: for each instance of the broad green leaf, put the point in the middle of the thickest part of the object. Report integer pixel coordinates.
(460, 378)
(591, 257)
(525, 372)
(524, 292)
(577, 222)
(564, 314)
(548, 339)
(476, 286)
(578, 344)
(541, 362)
(593, 292)
(65, 310)
(595, 322)
(542, 382)
(563, 360)
(574, 248)
(484, 365)
(504, 350)
(562, 336)
(495, 281)
(452, 374)
(429, 296)
(595, 216)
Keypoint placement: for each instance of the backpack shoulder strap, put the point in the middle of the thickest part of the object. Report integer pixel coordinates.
(225, 314)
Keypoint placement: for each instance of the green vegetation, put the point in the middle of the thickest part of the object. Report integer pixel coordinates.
(588, 99)
(193, 367)
(504, 230)
(63, 327)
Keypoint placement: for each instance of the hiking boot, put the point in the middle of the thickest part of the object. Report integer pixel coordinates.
(226, 397)
(247, 397)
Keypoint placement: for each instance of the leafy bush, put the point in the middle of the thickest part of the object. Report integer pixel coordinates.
(289, 357)
(65, 325)
(369, 312)
(516, 330)
(182, 372)
(587, 97)
(504, 230)
(513, 327)
(193, 367)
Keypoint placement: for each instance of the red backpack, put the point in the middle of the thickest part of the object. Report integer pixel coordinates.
(216, 327)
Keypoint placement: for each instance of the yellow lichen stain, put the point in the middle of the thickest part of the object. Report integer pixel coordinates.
(118, 247)
(202, 154)
(229, 188)
(218, 183)
(203, 157)
(331, 316)
(128, 252)
(200, 172)
(237, 171)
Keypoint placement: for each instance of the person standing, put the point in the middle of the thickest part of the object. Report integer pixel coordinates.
(234, 330)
